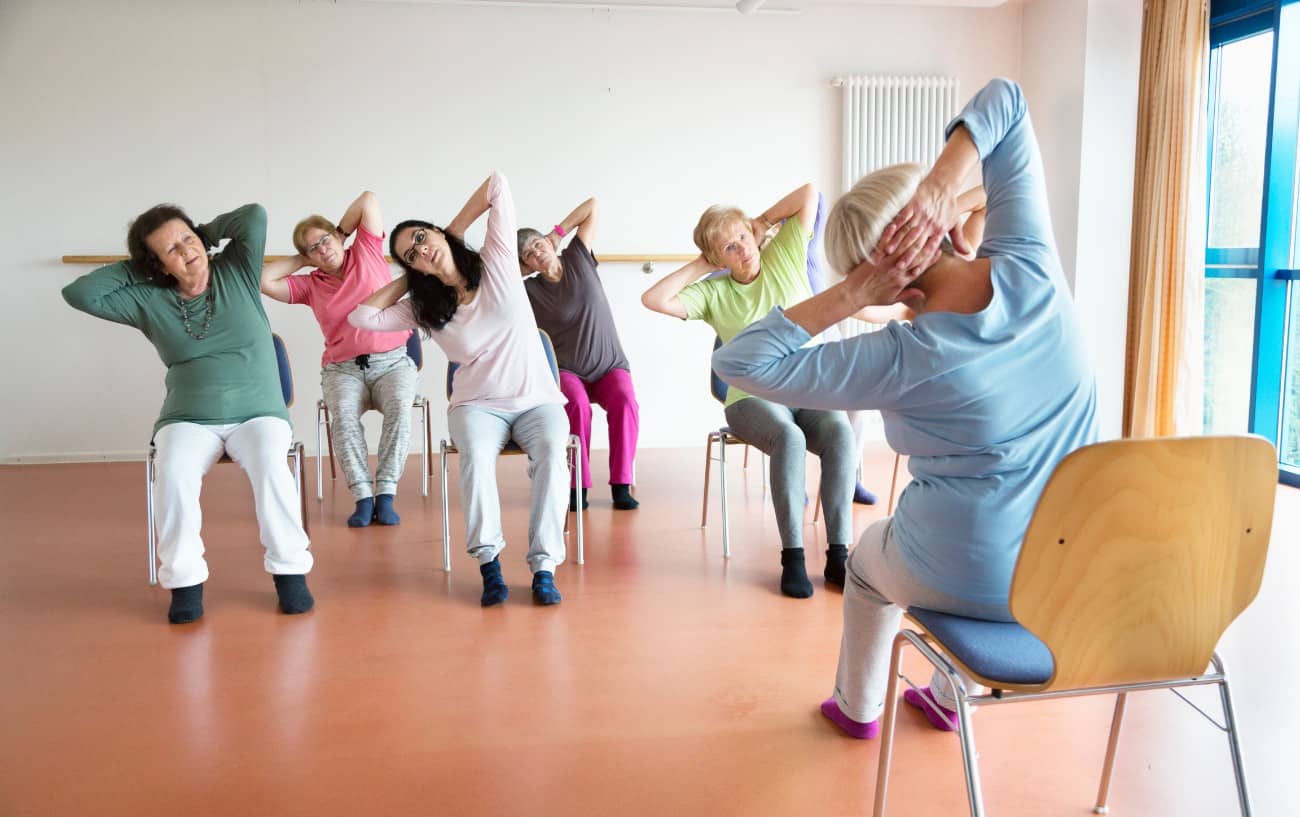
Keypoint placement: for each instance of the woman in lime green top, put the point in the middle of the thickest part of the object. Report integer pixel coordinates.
(776, 275)
(204, 316)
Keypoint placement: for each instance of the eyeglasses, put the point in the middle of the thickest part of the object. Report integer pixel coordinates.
(322, 242)
(533, 249)
(418, 240)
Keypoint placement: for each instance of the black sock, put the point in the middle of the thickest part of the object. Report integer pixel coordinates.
(294, 596)
(544, 591)
(836, 556)
(573, 499)
(385, 513)
(187, 604)
(364, 513)
(794, 577)
(494, 587)
(623, 499)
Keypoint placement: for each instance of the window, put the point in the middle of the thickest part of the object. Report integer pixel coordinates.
(1252, 304)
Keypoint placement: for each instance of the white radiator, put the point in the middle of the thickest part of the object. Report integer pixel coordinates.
(888, 120)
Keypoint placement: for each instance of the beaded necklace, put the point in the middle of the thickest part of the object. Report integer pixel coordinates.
(207, 317)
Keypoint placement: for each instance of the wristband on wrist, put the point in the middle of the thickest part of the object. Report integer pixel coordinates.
(560, 231)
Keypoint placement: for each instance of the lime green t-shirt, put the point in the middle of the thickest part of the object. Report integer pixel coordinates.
(782, 281)
(231, 375)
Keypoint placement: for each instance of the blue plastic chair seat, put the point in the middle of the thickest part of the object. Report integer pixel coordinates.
(994, 650)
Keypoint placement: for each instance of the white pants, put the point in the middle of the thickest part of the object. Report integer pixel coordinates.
(877, 587)
(185, 452)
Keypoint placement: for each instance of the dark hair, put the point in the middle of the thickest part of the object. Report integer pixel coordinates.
(434, 303)
(143, 258)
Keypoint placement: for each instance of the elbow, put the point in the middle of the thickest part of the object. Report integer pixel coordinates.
(730, 366)
(649, 301)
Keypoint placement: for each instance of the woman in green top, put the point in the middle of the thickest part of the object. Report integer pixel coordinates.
(204, 316)
(776, 275)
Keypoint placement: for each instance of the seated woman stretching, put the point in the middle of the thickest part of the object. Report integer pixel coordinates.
(569, 303)
(758, 282)
(359, 369)
(986, 390)
(474, 305)
(204, 317)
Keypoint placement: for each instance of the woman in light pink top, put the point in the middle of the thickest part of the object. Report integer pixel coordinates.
(473, 304)
(360, 369)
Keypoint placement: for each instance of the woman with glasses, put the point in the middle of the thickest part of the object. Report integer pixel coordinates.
(474, 306)
(360, 369)
(205, 318)
(758, 280)
(569, 303)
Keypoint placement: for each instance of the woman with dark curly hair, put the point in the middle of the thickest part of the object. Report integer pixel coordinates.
(473, 304)
(204, 316)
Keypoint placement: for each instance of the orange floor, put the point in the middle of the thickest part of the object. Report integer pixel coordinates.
(668, 683)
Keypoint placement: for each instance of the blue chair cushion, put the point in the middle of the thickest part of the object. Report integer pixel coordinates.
(995, 650)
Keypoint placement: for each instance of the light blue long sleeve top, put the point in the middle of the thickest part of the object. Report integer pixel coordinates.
(984, 404)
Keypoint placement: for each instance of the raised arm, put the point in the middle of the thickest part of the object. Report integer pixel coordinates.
(114, 293)
(663, 296)
(364, 211)
(582, 219)
(246, 229)
(972, 203)
(801, 202)
(477, 205)
(382, 312)
(275, 284)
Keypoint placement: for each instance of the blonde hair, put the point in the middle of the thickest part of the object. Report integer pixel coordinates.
(860, 216)
(713, 225)
(300, 231)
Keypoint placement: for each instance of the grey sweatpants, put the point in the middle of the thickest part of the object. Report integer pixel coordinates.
(386, 384)
(543, 434)
(784, 434)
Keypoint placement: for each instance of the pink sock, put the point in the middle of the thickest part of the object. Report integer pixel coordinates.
(861, 731)
(940, 716)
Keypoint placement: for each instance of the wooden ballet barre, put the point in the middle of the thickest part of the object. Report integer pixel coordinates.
(609, 258)
(646, 260)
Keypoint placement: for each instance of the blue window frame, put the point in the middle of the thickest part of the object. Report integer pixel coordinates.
(1252, 339)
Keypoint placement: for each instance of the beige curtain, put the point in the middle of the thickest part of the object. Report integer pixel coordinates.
(1163, 361)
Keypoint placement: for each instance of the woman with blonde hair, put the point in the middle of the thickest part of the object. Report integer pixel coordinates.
(985, 390)
(784, 429)
(360, 369)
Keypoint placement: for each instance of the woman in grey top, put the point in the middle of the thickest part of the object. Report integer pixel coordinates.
(569, 303)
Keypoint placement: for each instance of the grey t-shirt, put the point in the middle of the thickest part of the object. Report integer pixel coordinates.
(575, 313)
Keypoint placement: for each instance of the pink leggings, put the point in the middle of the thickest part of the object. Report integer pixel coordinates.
(613, 393)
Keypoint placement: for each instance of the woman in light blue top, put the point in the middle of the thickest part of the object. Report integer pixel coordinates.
(985, 390)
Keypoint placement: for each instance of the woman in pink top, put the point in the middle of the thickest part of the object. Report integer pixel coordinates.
(360, 369)
(473, 304)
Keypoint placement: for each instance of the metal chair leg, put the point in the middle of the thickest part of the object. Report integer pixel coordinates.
(1234, 740)
(708, 462)
(153, 535)
(722, 483)
(573, 475)
(424, 450)
(446, 525)
(1103, 791)
(970, 758)
(299, 473)
(320, 450)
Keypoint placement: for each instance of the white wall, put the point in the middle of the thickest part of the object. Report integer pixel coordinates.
(1081, 64)
(111, 108)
